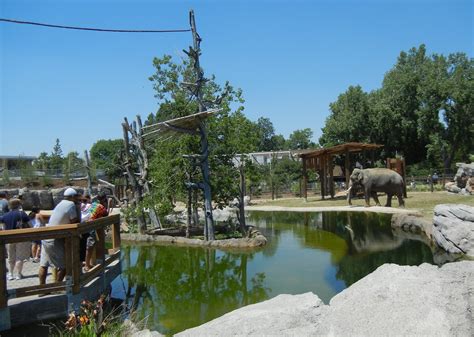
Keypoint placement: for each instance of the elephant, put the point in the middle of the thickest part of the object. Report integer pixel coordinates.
(377, 180)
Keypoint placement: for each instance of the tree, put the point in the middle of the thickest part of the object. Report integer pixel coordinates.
(105, 155)
(423, 111)
(43, 162)
(448, 119)
(56, 159)
(72, 163)
(229, 133)
(300, 139)
(349, 119)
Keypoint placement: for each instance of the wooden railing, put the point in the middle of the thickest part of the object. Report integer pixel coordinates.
(71, 233)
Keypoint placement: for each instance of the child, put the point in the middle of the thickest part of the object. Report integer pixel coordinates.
(37, 221)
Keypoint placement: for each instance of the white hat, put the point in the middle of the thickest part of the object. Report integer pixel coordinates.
(70, 192)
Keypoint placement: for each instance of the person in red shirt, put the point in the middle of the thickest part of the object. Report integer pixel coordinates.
(97, 210)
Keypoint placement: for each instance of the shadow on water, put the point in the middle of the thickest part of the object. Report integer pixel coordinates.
(176, 288)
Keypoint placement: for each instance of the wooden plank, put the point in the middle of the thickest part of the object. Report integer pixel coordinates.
(56, 232)
(3, 278)
(38, 289)
(112, 257)
(94, 272)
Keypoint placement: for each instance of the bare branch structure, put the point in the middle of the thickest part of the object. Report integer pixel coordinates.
(135, 152)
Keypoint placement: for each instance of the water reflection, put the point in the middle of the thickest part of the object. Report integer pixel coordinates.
(178, 288)
(183, 287)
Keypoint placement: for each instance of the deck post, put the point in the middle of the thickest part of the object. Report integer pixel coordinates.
(5, 322)
(68, 260)
(347, 164)
(331, 175)
(305, 180)
(76, 264)
(116, 236)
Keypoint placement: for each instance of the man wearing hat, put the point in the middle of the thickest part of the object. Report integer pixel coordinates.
(52, 253)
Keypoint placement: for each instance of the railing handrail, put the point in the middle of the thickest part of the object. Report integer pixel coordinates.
(55, 232)
(71, 233)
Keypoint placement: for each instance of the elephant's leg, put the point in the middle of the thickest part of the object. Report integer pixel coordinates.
(401, 202)
(389, 200)
(376, 198)
(367, 194)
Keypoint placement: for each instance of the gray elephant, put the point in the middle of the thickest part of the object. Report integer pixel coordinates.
(377, 180)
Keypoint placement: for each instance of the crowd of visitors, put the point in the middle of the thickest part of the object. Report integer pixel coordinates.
(74, 208)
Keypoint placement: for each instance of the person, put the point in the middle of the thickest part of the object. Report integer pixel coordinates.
(97, 210)
(435, 178)
(52, 251)
(429, 181)
(36, 221)
(3, 203)
(17, 252)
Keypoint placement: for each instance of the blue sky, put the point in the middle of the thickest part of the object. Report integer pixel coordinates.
(291, 59)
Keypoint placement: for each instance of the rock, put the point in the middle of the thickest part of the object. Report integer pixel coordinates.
(292, 315)
(411, 223)
(30, 199)
(246, 200)
(470, 185)
(392, 301)
(146, 333)
(454, 228)
(45, 200)
(405, 300)
(452, 187)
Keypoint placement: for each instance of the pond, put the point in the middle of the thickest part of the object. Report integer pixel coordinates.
(181, 287)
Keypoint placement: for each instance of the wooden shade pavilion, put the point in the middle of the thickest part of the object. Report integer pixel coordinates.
(321, 160)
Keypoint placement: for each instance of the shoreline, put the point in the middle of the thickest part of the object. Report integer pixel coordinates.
(373, 209)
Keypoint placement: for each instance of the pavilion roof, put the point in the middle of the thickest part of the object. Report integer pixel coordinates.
(176, 127)
(338, 149)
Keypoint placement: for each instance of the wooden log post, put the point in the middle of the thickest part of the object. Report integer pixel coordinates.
(331, 175)
(305, 180)
(323, 176)
(88, 171)
(347, 164)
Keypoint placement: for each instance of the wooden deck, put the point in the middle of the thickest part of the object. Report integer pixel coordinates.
(25, 301)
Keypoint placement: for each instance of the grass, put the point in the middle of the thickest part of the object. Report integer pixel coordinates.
(423, 202)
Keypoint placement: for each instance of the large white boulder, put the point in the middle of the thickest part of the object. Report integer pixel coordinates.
(293, 315)
(392, 301)
(453, 228)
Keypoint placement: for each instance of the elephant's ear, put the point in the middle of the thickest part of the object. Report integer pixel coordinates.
(361, 177)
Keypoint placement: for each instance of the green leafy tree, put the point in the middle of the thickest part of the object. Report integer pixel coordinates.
(300, 139)
(349, 120)
(43, 162)
(229, 133)
(105, 155)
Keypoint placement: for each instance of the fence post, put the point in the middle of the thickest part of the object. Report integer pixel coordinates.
(3, 277)
(116, 236)
(76, 264)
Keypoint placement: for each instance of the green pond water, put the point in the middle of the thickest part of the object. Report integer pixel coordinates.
(177, 288)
